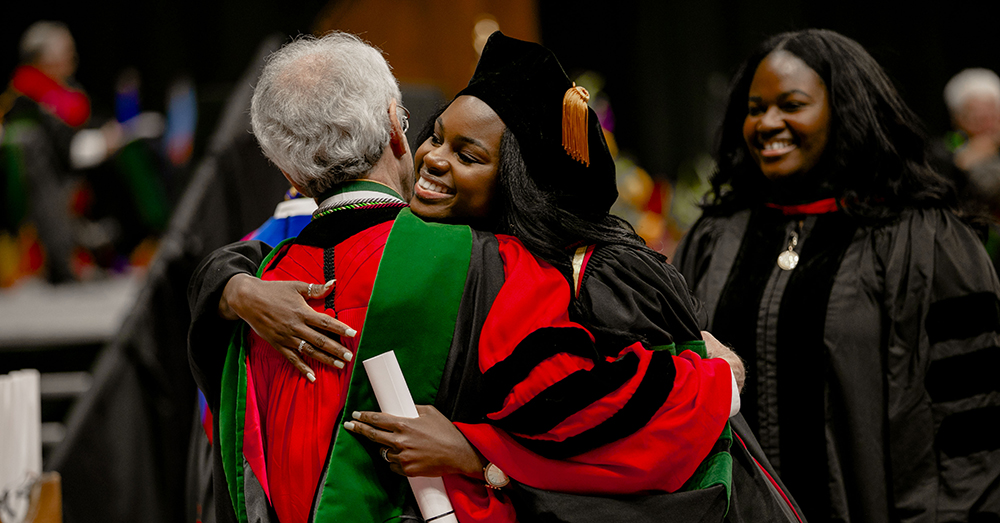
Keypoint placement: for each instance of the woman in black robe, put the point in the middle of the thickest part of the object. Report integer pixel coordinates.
(832, 257)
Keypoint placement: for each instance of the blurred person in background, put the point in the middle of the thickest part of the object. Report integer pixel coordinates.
(42, 111)
(970, 154)
(829, 245)
(973, 100)
(56, 180)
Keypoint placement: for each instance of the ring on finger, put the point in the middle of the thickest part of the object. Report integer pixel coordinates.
(310, 289)
(385, 454)
(302, 343)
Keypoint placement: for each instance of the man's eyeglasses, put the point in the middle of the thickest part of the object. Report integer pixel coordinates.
(404, 118)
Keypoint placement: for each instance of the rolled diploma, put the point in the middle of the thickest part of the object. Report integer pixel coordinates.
(394, 398)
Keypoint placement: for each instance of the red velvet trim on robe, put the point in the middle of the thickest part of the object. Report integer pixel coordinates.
(661, 456)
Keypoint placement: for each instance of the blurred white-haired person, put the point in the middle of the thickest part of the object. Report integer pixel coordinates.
(973, 100)
(42, 110)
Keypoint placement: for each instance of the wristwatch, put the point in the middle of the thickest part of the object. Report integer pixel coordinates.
(495, 478)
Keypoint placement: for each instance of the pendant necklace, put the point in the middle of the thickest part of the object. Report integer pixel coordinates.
(788, 259)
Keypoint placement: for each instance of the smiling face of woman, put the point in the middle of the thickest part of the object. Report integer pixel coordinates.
(456, 166)
(788, 116)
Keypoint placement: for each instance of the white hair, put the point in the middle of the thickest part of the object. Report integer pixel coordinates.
(970, 82)
(320, 109)
(38, 38)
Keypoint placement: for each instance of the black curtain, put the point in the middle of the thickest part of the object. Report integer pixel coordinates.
(666, 64)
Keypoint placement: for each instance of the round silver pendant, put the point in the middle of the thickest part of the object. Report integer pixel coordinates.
(788, 260)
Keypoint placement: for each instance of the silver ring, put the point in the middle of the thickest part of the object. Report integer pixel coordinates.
(385, 454)
(310, 291)
(302, 343)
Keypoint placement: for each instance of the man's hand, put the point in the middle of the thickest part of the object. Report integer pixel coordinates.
(716, 349)
(977, 150)
(428, 445)
(277, 311)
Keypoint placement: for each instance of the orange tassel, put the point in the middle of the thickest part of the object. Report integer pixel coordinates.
(574, 124)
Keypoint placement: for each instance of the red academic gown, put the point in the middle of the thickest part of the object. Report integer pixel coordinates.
(589, 419)
(298, 418)
(651, 419)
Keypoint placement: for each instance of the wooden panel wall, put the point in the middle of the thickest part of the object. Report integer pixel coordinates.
(429, 41)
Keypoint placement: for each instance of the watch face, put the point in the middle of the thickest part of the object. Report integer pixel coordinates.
(495, 476)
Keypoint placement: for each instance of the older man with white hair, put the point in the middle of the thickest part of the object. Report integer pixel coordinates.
(327, 112)
(973, 100)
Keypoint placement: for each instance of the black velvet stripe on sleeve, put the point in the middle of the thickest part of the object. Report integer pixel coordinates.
(967, 432)
(964, 376)
(569, 396)
(963, 317)
(648, 398)
(629, 295)
(533, 349)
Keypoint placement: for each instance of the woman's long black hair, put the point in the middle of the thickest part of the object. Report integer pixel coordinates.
(523, 210)
(876, 158)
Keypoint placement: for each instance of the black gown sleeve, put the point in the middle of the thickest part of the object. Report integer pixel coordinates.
(942, 301)
(208, 335)
(694, 251)
(629, 295)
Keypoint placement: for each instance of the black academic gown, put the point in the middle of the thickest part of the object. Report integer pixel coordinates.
(871, 365)
(620, 286)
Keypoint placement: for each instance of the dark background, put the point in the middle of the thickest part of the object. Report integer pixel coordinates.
(666, 63)
(210, 41)
(666, 66)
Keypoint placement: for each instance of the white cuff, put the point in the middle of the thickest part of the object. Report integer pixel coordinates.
(734, 407)
(87, 149)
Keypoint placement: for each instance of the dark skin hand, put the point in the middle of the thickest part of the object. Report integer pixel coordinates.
(278, 312)
(407, 438)
(430, 445)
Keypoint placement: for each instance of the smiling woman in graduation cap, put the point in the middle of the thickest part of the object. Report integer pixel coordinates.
(551, 169)
(586, 375)
(519, 152)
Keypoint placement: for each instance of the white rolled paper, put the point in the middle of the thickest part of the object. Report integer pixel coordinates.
(20, 440)
(734, 405)
(394, 398)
